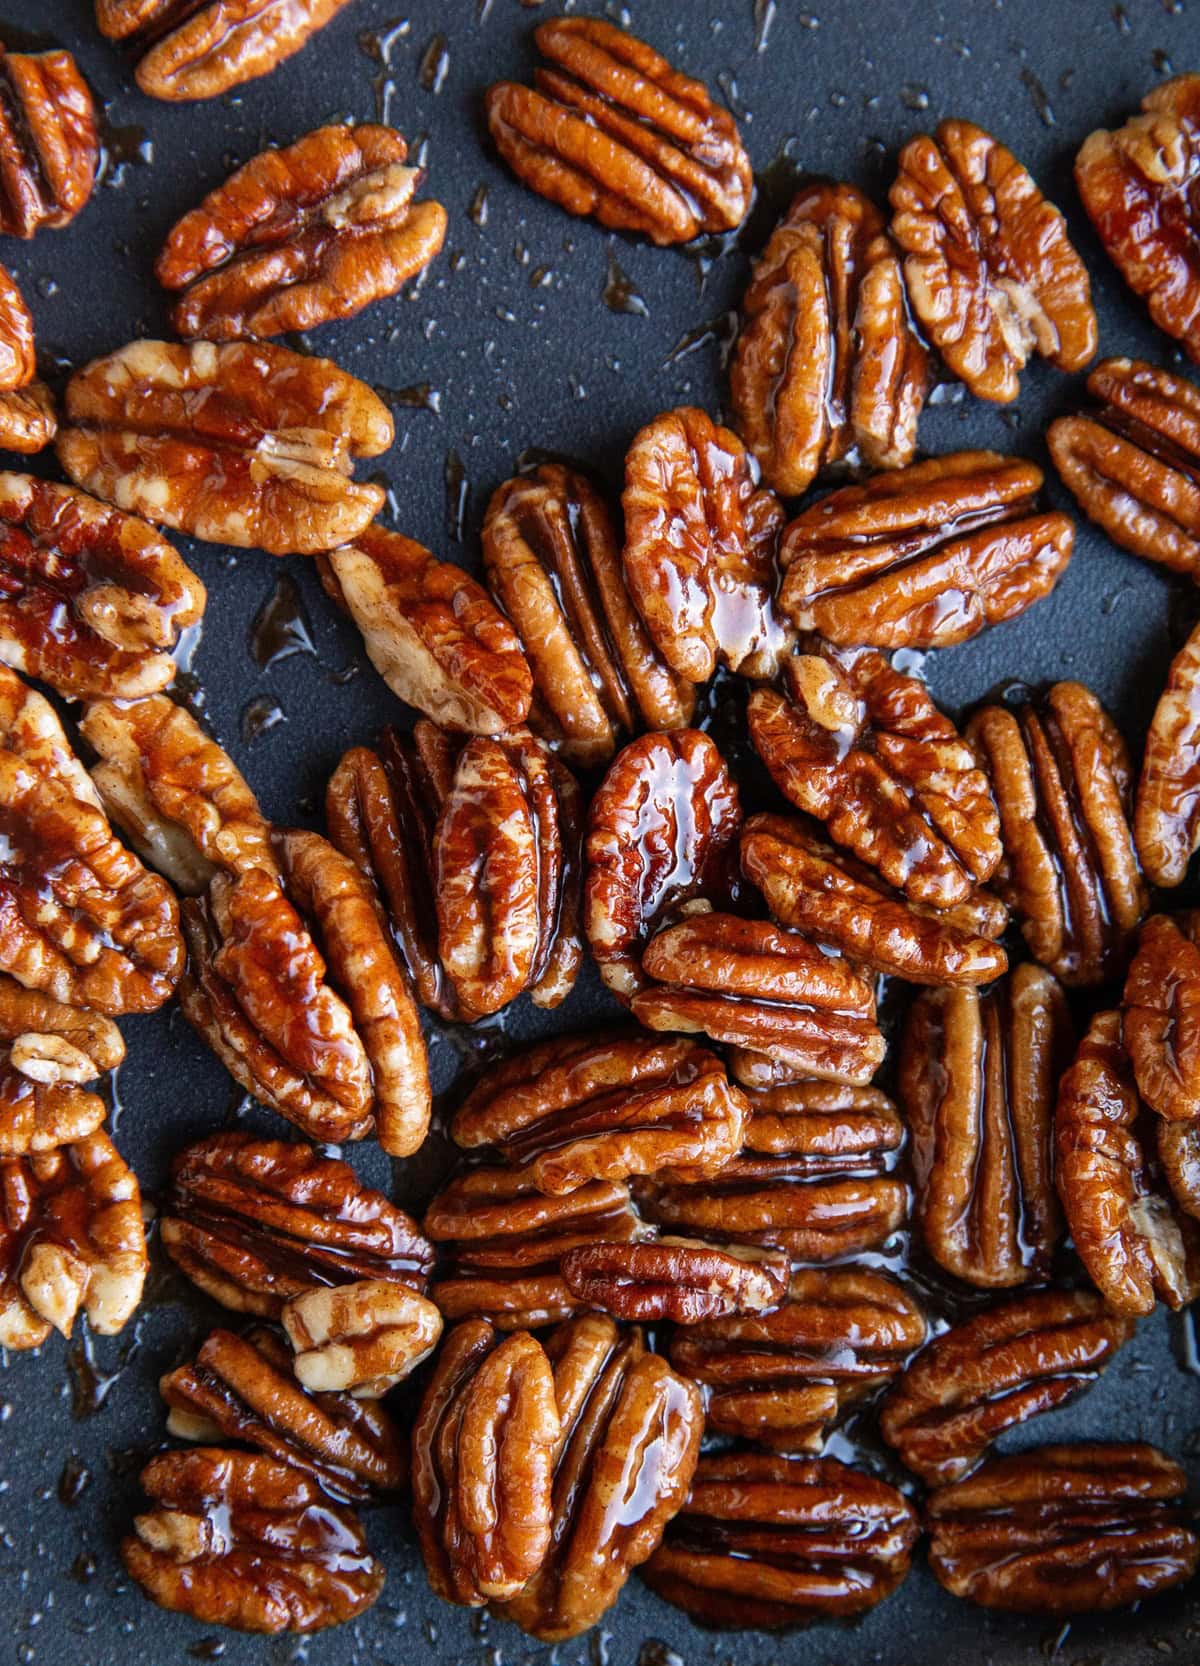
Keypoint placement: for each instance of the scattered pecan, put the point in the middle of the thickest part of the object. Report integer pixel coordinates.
(17, 361)
(613, 131)
(682, 1279)
(240, 1540)
(48, 143)
(766, 1542)
(245, 443)
(1158, 1014)
(1064, 1530)
(991, 273)
(301, 235)
(48, 1055)
(363, 1338)
(1061, 777)
(1166, 820)
(827, 367)
(28, 419)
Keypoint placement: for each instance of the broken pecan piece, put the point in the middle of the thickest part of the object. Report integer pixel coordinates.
(243, 443)
(48, 143)
(611, 130)
(1159, 1014)
(992, 274)
(360, 1338)
(48, 1055)
(1166, 820)
(682, 1279)
(1064, 1530)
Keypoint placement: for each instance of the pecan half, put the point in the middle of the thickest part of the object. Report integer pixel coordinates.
(244, 444)
(1064, 1530)
(301, 235)
(992, 274)
(48, 143)
(613, 131)
(28, 419)
(1166, 820)
(17, 360)
(1159, 1015)
(827, 367)
(48, 1055)
(768, 1542)
(239, 1540)
(682, 1279)
(1061, 777)
(1178, 1148)
(363, 1338)
(700, 543)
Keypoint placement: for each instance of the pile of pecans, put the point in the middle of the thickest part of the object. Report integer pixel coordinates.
(721, 1166)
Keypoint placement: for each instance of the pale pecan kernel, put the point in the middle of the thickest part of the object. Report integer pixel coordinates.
(362, 1338)
(17, 361)
(48, 1054)
(1166, 820)
(1159, 1015)
(48, 141)
(682, 1279)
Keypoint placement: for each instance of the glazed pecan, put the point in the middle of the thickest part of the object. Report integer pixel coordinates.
(978, 1076)
(239, 1540)
(630, 1438)
(580, 1108)
(863, 748)
(1158, 1010)
(1166, 820)
(991, 273)
(255, 1223)
(28, 420)
(682, 1279)
(483, 1449)
(48, 143)
(554, 563)
(1064, 1530)
(363, 1338)
(199, 48)
(1061, 776)
(926, 556)
(993, 1372)
(1138, 186)
(768, 1542)
(781, 1379)
(828, 367)
(246, 443)
(48, 1055)
(17, 361)
(1178, 1146)
(660, 836)
(27, 416)
(611, 130)
(700, 543)
(298, 236)
(71, 1237)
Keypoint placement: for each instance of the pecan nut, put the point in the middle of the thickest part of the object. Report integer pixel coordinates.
(17, 360)
(611, 130)
(827, 366)
(360, 1338)
(48, 142)
(301, 235)
(1158, 1011)
(240, 1540)
(1166, 819)
(1178, 1150)
(1064, 1530)
(682, 1279)
(28, 419)
(767, 1542)
(992, 274)
(48, 1055)
(247, 444)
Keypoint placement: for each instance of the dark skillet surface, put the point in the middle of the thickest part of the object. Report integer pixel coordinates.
(518, 348)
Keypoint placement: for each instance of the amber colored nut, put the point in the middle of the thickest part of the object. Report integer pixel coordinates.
(28, 419)
(660, 837)
(359, 1338)
(769, 1542)
(991, 272)
(1178, 1147)
(1064, 1530)
(243, 443)
(1159, 1010)
(682, 1279)
(48, 1054)
(1166, 819)
(48, 141)
(17, 360)
(235, 1539)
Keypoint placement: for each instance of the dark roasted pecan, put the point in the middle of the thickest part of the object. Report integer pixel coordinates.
(991, 273)
(301, 235)
(630, 1438)
(827, 367)
(28, 420)
(611, 130)
(1166, 820)
(48, 1055)
(1138, 184)
(768, 1542)
(483, 1450)
(554, 563)
(683, 1279)
(17, 361)
(1064, 1530)
(242, 1541)
(926, 556)
(1159, 1009)
(246, 444)
(700, 543)
(257, 1222)
(1061, 776)
(48, 144)
(978, 1076)
(781, 1379)
(363, 1338)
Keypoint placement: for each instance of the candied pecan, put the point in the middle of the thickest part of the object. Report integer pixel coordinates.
(17, 362)
(257, 1222)
(660, 835)
(827, 367)
(580, 1108)
(683, 1279)
(48, 144)
(1158, 1009)
(554, 563)
(71, 1237)
(978, 1075)
(1138, 185)
(700, 543)
(1133, 1242)
(28, 419)
(243, 443)
(611, 130)
(48, 1054)
(363, 1338)
(767, 1542)
(992, 275)
(239, 1540)
(1178, 1148)
(630, 1438)
(1061, 777)
(781, 1379)
(1166, 819)
(1064, 1530)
